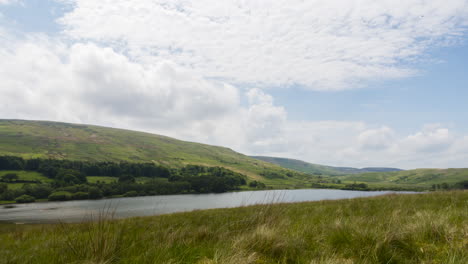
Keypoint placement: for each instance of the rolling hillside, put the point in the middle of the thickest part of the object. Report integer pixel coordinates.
(33, 139)
(418, 177)
(311, 168)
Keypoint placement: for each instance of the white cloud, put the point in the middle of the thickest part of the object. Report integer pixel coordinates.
(376, 139)
(86, 83)
(7, 2)
(154, 72)
(430, 139)
(320, 44)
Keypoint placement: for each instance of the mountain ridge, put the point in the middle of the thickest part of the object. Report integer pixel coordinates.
(60, 140)
(311, 168)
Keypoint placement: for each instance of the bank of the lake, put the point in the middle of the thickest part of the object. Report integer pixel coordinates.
(78, 211)
(417, 228)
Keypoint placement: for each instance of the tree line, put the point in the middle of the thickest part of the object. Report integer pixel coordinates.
(69, 180)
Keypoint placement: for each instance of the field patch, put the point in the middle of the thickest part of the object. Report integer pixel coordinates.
(27, 175)
(104, 179)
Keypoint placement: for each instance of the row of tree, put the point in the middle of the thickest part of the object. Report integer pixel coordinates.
(52, 167)
(69, 179)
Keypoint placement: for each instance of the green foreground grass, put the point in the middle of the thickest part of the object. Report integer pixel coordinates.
(419, 228)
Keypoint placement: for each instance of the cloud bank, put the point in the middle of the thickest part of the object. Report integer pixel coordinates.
(196, 70)
(317, 44)
(86, 83)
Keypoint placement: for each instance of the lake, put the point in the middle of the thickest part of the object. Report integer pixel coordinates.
(77, 211)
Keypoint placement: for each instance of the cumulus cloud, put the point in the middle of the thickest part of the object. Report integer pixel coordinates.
(86, 83)
(433, 138)
(171, 67)
(319, 44)
(376, 139)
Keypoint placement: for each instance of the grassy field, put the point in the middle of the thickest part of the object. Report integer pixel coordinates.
(105, 179)
(27, 175)
(32, 139)
(420, 228)
(420, 178)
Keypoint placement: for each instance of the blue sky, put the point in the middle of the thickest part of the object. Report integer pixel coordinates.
(356, 83)
(33, 16)
(438, 94)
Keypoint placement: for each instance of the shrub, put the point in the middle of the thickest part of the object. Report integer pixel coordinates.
(80, 196)
(257, 184)
(25, 199)
(10, 177)
(60, 196)
(94, 193)
(462, 185)
(131, 194)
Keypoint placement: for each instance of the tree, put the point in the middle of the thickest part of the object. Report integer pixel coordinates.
(10, 177)
(462, 185)
(25, 199)
(60, 196)
(94, 193)
(3, 187)
(80, 196)
(131, 194)
(257, 184)
(126, 179)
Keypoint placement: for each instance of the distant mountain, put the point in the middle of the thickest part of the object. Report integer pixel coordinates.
(349, 170)
(311, 168)
(43, 139)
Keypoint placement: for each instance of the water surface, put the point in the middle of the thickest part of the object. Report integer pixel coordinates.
(77, 211)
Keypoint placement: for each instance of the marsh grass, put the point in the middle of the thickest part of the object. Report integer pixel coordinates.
(420, 228)
(98, 241)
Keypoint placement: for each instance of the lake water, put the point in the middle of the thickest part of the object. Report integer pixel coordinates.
(77, 211)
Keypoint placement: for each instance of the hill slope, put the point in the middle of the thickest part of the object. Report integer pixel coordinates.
(311, 168)
(414, 178)
(33, 139)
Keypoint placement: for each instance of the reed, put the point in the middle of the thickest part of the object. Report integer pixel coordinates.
(416, 228)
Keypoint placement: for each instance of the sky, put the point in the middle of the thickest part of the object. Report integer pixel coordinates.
(359, 83)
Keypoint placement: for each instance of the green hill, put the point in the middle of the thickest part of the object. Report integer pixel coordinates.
(42, 139)
(414, 178)
(311, 168)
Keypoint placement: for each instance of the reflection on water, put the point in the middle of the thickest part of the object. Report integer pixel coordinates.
(76, 211)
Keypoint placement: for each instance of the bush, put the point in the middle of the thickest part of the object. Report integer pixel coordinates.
(25, 199)
(257, 184)
(94, 193)
(10, 177)
(80, 196)
(60, 196)
(131, 194)
(462, 185)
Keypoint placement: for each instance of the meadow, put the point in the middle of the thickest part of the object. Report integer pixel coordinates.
(416, 228)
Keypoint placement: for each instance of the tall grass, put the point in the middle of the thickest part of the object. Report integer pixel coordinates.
(420, 228)
(99, 241)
